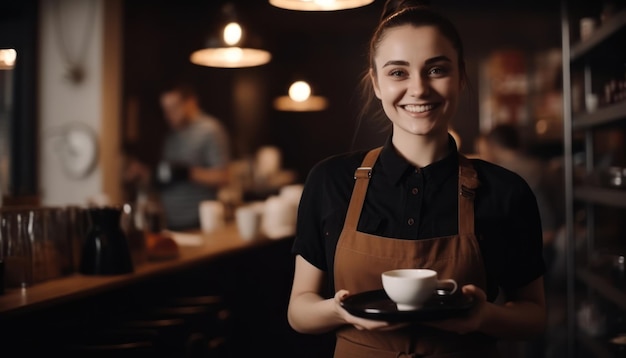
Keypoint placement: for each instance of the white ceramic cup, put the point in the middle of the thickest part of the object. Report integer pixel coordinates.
(279, 217)
(411, 288)
(292, 193)
(248, 219)
(211, 215)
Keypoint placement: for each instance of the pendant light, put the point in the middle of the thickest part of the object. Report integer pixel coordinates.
(227, 48)
(300, 99)
(319, 5)
(7, 58)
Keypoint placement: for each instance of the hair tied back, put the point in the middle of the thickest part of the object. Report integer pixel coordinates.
(394, 7)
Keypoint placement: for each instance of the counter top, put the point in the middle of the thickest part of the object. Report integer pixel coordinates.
(78, 286)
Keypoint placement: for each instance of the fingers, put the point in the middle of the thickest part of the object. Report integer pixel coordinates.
(469, 323)
(370, 325)
(474, 291)
(358, 322)
(341, 295)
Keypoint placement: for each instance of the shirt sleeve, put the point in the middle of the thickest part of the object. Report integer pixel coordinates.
(309, 241)
(216, 151)
(522, 261)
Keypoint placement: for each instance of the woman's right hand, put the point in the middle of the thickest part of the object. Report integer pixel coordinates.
(359, 323)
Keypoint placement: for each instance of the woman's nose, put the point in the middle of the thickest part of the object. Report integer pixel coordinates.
(418, 86)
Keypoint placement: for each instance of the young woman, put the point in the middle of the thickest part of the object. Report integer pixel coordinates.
(416, 202)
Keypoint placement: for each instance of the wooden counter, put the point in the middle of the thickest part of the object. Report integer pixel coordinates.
(252, 279)
(77, 286)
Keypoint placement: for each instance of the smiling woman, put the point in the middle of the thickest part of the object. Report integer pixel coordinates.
(416, 202)
(418, 84)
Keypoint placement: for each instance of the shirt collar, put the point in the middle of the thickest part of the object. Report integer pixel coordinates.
(396, 167)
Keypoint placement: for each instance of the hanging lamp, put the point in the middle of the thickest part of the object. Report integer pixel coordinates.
(300, 99)
(7, 58)
(319, 5)
(231, 47)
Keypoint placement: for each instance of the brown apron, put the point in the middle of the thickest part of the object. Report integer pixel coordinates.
(360, 259)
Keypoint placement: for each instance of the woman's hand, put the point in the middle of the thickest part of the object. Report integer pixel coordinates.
(475, 318)
(359, 323)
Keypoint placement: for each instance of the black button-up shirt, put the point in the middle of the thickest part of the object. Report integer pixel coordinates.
(406, 202)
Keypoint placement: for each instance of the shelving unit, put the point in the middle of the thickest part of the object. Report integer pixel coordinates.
(613, 28)
(602, 196)
(603, 116)
(603, 286)
(591, 62)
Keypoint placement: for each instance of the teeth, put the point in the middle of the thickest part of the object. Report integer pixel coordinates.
(419, 108)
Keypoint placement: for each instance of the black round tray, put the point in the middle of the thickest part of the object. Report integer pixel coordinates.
(377, 305)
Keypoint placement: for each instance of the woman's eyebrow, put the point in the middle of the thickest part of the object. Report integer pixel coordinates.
(396, 63)
(441, 58)
(438, 59)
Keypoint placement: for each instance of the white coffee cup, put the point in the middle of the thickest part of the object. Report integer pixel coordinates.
(279, 217)
(292, 193)
(211, 215)
(248, 219)
(411, 288)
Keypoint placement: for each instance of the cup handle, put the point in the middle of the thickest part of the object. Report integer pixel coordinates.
(443, 286)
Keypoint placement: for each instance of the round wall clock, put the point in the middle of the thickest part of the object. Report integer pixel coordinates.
(78, 150)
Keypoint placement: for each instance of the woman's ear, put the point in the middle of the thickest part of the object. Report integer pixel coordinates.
(462, 84)
(463, 78)
(374, 80)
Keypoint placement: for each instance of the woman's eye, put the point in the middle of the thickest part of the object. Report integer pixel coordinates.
(397, 73)
(437, 71)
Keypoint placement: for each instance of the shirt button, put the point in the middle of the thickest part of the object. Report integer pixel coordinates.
(414, 191)
(411, 221)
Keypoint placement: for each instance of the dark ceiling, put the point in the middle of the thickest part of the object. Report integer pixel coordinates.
(326, 48)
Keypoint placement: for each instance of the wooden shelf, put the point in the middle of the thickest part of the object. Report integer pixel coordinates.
(594, 346)
(77, 286)
(603, 286)
(599, 37)
(604, 196)
(602, 116)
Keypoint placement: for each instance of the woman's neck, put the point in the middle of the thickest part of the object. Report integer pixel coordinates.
(420, 150)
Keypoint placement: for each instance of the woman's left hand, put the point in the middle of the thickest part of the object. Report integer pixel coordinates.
(470, 323)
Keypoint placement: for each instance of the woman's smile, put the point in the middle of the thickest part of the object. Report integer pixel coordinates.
(417, 80)
(420, 108)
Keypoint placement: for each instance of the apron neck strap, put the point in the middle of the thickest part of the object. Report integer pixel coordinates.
(362, 176)
(468, 182)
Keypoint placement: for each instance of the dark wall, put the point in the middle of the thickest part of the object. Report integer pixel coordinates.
(18, 30)
(326, 49)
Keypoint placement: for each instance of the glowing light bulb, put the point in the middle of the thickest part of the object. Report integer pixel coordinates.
(299, 91)
(325, 3)
(8, 57)
(234, 54)
(232, 33)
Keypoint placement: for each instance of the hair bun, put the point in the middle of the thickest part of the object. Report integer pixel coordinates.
(394, 6)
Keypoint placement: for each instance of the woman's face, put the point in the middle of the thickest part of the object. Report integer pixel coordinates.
(417, 79)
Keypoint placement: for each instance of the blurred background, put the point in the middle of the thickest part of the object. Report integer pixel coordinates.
(128, 50)
(81, 84)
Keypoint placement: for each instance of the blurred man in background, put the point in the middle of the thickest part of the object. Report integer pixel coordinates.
(194, 159)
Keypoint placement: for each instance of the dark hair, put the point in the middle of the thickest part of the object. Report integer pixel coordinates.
(506, 136)
(185, 89)
(407, 12)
